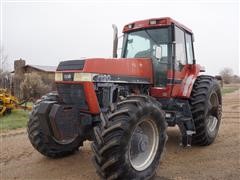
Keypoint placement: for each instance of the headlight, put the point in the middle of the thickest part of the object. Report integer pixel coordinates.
(83, 77)
(58, 76)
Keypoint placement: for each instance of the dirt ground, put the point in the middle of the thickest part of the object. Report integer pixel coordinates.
(221, 160)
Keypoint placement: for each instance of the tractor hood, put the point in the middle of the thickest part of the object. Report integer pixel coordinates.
(132, 70)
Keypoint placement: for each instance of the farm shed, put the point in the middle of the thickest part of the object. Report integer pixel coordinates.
(21, 68)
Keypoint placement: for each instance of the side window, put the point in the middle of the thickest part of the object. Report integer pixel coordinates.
(180, 49)
(189, 48)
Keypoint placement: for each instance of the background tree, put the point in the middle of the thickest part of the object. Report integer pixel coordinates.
(33, 86)
(235, 79)
(227, 74)
(5, 75)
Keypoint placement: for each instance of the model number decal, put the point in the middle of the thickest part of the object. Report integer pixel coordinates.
(103, 78)
(68, 76)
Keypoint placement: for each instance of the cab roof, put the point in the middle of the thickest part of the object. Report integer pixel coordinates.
(153, 23)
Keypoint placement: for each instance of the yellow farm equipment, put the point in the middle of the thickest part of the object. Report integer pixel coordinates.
(9, 102)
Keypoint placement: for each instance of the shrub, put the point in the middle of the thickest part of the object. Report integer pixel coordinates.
(33, 87)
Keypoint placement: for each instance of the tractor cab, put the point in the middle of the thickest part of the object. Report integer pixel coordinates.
(170, 47)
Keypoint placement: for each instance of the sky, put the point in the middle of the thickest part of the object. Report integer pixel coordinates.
(49, 31)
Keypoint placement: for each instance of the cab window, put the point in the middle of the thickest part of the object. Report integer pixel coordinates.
(189, 48)
(180, 49)
(138, 46)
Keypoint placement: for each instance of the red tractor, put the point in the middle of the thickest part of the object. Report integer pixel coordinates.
(124, 105)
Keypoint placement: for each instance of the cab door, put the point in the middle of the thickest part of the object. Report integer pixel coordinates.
(184, 69)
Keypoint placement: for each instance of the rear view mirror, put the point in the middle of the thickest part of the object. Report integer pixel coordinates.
(158, 52)
(130, 41)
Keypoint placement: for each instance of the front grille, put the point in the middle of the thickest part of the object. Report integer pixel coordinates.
(72, 94)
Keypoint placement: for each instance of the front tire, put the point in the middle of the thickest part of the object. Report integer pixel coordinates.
(40, 135)
(130, 139)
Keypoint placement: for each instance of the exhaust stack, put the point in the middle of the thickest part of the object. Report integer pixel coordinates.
(115, 40)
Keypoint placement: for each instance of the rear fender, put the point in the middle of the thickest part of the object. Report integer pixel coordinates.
(180, 83)
(187, 78)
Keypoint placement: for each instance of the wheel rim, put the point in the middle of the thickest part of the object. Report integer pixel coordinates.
(212, 123)
(143, 144)
(212, 119)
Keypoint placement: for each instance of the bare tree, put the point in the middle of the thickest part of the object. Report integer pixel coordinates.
(236, 79)
(3, 59)
(5, 75)
(227, 74)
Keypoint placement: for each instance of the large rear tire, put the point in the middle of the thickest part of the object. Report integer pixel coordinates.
(130, 140)
(39, 132)
(206, 107)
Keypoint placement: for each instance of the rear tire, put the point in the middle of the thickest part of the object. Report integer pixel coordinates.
(206, 107)
(40, 136)
(130, 140)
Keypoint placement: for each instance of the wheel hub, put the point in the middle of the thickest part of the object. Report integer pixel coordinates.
(143, 145)
(139, 142)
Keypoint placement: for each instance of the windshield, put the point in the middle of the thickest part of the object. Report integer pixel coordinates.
(150, 43)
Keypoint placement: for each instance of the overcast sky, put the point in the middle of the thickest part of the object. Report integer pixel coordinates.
(46, 32)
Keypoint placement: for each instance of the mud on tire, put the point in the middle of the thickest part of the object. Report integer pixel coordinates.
(39, 133)
(114, 155)
(206, 107)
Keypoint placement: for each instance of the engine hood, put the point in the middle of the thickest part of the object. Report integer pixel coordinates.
(138, 70)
